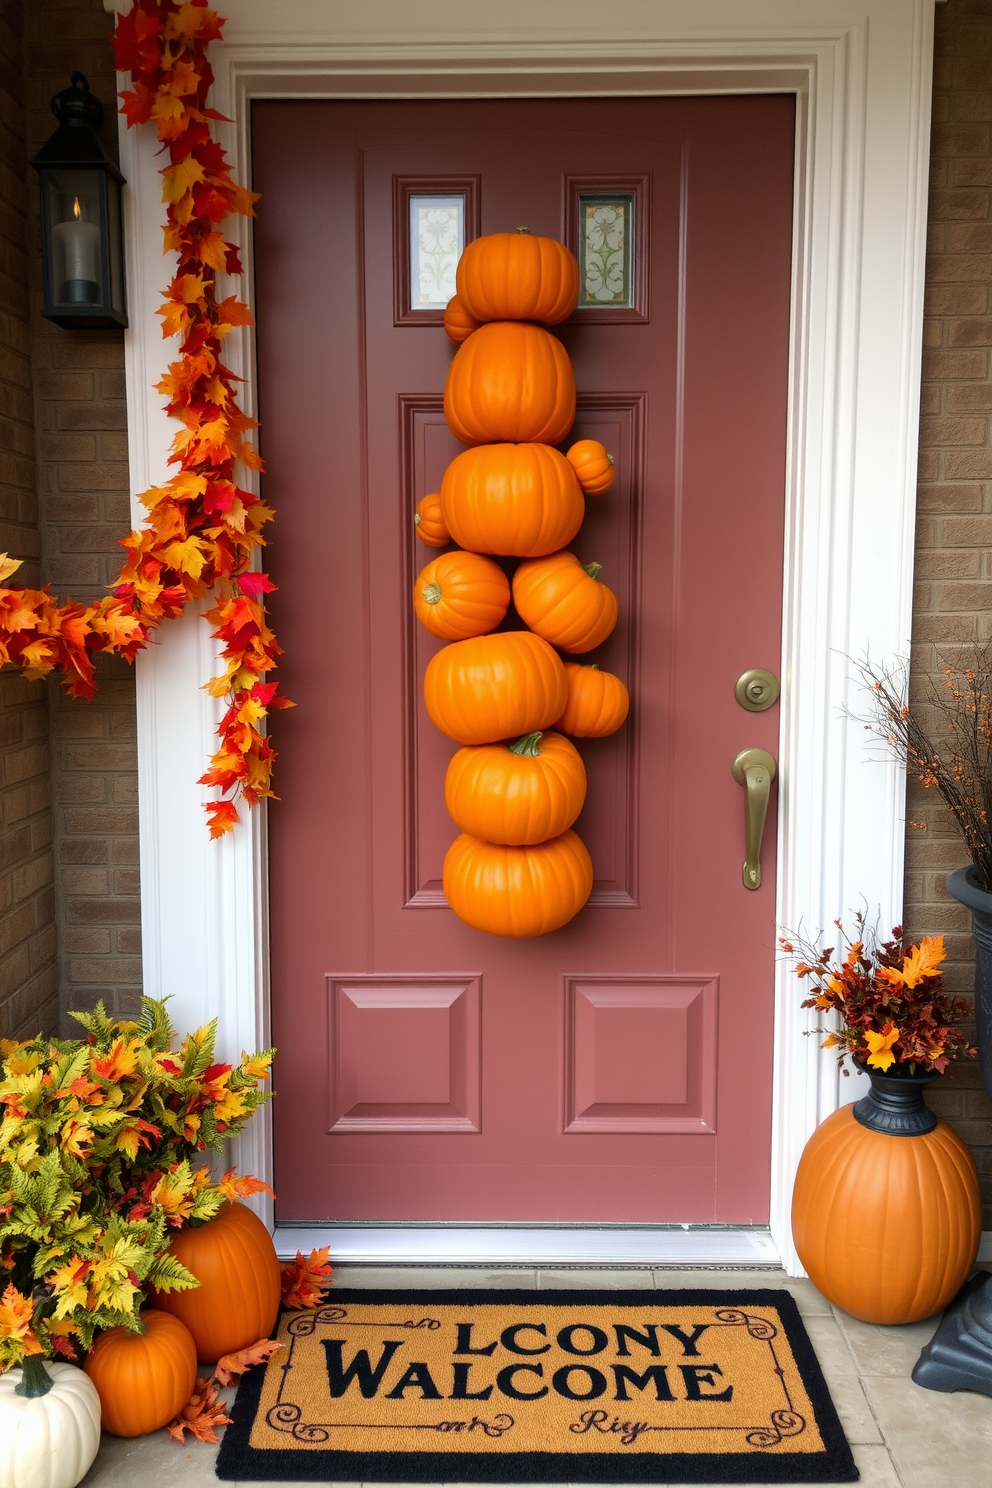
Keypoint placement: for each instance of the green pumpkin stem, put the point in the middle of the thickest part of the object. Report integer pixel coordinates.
(610, 458)
(527, 747)
(593, 569)
(522, 230)
(35, 1378)
(591, 666)
(431, 594)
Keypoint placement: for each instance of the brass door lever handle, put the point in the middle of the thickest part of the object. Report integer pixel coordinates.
(754, 769)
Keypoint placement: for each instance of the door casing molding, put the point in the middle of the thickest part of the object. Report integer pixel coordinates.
(861, 73)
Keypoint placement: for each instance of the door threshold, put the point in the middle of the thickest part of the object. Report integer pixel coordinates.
(531, 1245)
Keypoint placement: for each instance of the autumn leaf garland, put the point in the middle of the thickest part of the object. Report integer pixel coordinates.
(202, 528)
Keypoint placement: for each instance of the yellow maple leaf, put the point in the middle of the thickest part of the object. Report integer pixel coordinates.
(922, 961)
(880, 1044)
(177, 180)
(8, 566)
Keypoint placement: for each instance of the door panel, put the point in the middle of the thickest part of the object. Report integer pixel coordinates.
(619, 1069)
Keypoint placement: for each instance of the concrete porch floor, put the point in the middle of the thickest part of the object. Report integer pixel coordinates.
(901, 1436)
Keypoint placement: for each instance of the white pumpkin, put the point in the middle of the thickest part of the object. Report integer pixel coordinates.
(48, 1441)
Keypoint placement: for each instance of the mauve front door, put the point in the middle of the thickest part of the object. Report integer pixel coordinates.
(619, 1069)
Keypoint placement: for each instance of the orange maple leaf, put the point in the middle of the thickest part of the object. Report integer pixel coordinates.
(204, 1411)
(880, 1044)
(231, 1365)
(235, 1187)
(303, 1282)
(16, 1316)
(922, 961)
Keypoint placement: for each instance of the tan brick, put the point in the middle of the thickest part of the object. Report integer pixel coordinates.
(939, 431)
(968, 464)
(957, 365)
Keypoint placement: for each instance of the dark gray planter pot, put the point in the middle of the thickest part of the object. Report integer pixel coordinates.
(959, 1355)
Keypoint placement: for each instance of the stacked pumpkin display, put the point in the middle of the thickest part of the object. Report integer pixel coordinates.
(515, 788)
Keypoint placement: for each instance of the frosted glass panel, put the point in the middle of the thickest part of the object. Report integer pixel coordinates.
(437, 237)
(606, 233)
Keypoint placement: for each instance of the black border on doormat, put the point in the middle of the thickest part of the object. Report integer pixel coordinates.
(239, 1461)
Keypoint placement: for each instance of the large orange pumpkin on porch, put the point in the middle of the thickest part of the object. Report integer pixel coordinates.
(236, 1303)
(143, 1379)
(510, 381)
(518, 793)
(522, 500)
(598, 702)
(518, 276)
(517, 891)
(495, 687)
(562, 600)
(460, 595)
(887, 1226)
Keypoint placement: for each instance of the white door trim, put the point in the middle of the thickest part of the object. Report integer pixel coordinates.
(861, 71)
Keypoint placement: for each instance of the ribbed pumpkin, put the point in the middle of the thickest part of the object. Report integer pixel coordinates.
(523, 500)
(143, 1379)
(458, 324)
(495, 687)
(563, 601)
(237, 1300)
(460, 595)
(518, 793)
(428, 522)
(517, 891)
(510, 381)
(593, 466)
(518, 276)
(888, 1227)
(598, 702)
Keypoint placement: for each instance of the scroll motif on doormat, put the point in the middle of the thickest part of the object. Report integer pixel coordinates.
(522, 1386)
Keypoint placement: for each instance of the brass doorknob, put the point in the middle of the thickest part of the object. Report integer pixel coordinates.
(755, 770)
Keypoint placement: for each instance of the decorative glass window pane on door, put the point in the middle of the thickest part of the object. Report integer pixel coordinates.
(437, 238)
(606, 242)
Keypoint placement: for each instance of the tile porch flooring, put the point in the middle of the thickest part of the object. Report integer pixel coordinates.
(901, 1436)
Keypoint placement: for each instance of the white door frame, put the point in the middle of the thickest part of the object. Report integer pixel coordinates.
(861, 72)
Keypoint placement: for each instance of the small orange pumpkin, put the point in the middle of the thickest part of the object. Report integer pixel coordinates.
(458, 324)
(494, 687)
(563, 601)
(460, 595)
(428, 522)
(519, 793)
(518, 276)
(143, 1379)
(593, 466)
(598, 702)
(523, 500)
(235, 1262)
(517, 891)
(510, 381)
(888, 1227)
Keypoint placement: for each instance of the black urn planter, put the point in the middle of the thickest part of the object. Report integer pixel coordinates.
(959, 1355)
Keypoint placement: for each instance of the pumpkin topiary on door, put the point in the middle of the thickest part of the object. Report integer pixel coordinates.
(514, 788)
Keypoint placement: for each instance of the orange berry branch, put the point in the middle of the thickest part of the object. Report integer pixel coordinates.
(202, 528)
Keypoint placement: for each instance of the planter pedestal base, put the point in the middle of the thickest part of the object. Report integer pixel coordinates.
(959, 1355)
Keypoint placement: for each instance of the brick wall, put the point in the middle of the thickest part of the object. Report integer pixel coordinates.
(28, 995)
(83, 487)
(954, 543)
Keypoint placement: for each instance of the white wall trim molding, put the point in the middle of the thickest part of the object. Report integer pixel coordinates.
(861, 72)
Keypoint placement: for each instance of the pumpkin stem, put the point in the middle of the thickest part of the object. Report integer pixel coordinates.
(431, 594)
(593, 569)
(35, 1378)
(417, 518)
(527, 746)
(610, 458)
(591, 666)
(522, 230)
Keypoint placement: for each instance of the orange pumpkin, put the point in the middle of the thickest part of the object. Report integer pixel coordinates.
(460, 595)
(236, 1303)
(598, 702)
(517, 891)
(518, 276)
(143, 1379)
(429, 524)
(593, 466)
(518, 793)
(887, 1226)
(563, 601)
(510, 381)
(495, 687)
(519, 499)
(457, 322)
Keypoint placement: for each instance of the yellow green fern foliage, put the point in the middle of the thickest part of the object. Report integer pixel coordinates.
(98, 1145)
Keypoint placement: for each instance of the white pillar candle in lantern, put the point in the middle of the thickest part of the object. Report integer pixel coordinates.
(80, 241)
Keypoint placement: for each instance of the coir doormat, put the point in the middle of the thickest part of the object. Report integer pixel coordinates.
(540, 1387)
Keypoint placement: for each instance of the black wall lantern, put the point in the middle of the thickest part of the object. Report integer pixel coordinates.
(82, 244)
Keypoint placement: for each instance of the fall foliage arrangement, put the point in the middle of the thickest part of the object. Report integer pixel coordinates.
(896, 1015)
(516, 785)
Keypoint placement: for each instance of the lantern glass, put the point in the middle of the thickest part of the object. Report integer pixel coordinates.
(76, 248)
